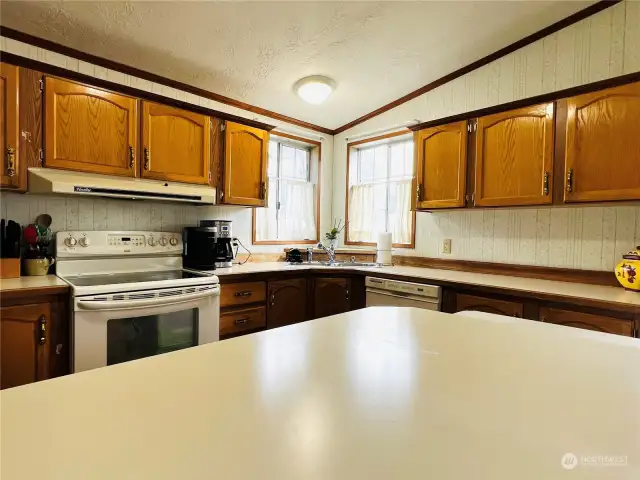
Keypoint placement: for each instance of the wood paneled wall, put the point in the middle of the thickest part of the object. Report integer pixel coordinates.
(602, 46)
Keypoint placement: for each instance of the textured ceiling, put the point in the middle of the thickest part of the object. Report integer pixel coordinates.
(255, 51)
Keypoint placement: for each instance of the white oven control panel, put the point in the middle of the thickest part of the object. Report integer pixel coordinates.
(99, 243)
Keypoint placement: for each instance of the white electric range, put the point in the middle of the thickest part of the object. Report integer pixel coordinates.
(131, 298)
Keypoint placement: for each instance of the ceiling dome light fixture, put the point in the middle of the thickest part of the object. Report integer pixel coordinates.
(314, 89)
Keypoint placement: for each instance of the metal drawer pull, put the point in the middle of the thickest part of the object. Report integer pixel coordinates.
(243, 294)
(241, 321)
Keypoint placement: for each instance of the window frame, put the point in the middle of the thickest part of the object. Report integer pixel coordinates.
(315, 154)
(350, 148)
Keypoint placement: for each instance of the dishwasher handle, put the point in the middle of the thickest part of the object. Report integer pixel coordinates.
(403, 295)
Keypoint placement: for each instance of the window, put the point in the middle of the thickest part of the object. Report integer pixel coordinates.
(290, 216)
(379, 193)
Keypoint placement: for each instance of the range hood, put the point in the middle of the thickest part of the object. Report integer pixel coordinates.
(49, 180)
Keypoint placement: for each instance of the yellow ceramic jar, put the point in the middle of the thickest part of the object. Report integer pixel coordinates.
(628, 270)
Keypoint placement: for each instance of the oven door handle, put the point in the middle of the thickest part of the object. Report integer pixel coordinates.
(124, 304)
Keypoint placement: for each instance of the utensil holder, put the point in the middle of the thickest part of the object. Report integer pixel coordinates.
(9, 267)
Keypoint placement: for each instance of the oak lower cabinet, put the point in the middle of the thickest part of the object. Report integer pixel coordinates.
(514, 157)
(239, 320)
(9, 169)
(286, 302)
(600, 323)
(244, 177)
(175, 144)
(466, 302)
(88, 129)
(331, 296)
(34, 340)
(603, 145)
(441, 166)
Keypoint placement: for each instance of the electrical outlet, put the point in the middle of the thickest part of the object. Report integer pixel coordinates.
(446, 246)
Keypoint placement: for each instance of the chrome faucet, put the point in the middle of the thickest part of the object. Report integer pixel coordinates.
(330, 253)
(309, 254)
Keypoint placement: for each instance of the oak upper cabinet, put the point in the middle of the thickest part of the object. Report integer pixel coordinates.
(514, 157)
(175, 144)
(603, 145)
(245, 165)
(9, 171)
(24, 344)
(88, 129)
(587, 321)
(286, 302)
(441, 166)
(475, 303)
(331, 296)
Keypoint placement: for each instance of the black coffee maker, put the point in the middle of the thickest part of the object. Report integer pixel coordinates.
(208, 246)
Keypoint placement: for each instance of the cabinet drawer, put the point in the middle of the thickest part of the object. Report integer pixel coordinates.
(488, 305)
(242, 293)
(241, 320)
(599, 323)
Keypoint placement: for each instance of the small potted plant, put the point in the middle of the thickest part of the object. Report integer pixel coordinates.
(332, 235)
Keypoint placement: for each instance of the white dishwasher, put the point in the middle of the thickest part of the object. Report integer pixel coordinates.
(392, 293)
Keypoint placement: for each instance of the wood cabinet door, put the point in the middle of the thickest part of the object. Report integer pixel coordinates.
(245, 165)
(441, 166)
(89, 130)
(176, 144)
(286, 302)
(9, 170)
(514, 157)
(331, 296)
(603, 145)
(587, 321)
(24, 344)
(488, 305)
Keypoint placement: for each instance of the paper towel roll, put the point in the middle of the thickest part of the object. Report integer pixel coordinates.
(384, 241)
(384, 257)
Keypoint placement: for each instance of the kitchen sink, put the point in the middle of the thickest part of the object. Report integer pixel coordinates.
(341, 264)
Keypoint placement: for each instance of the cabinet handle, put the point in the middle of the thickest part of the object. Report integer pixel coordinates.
(241, 321)
(347, 294)
(11, 161)
(516, 315)
(273, 298)
(570, 180)
(132, 156)
(42, 330)
(147, 158)
(243, 294)
(418, 193)
(545, 184)
(543, 318)
(263, 191)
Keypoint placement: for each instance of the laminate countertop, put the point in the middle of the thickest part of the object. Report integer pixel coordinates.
(566, 290)
(372, 394)
(36, 284)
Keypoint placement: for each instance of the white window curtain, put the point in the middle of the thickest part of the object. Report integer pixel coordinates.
(297, 213)
(400, 217)
(361, 213)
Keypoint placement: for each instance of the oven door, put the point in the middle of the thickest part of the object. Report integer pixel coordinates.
(115, 328)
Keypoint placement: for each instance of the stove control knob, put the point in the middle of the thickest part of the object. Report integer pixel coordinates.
(70, 242)
(151, 242)
(163, 241)
(173, 241)
(85, 242)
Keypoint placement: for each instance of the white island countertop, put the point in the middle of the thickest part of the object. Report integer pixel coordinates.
(616, 296)
(375, 394)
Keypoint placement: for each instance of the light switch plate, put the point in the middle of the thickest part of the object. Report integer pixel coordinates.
(446, 246)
